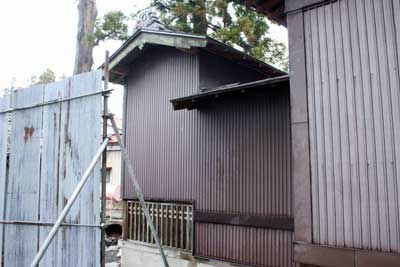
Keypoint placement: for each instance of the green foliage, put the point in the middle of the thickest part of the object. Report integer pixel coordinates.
(48, 76)
(228, 21)
(112, 26)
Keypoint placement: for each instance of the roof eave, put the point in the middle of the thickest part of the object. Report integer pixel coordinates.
(143, 37)
(121, 59)
(196, 100)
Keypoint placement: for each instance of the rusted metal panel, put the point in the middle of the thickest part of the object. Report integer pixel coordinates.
(354, 105)
(4, 105)
(52, 142)
(250, 246)
(233, 156)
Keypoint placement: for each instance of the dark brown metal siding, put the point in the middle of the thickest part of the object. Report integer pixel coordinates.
(230, 156)
(253, 246)
(216, 71)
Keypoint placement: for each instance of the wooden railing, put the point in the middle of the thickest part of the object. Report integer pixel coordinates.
(173, 222)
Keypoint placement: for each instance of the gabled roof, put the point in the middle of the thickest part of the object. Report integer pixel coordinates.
(156, 34)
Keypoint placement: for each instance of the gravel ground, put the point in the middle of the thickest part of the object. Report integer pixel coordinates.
(113, 256)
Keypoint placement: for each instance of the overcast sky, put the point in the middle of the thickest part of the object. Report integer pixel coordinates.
(40, 34)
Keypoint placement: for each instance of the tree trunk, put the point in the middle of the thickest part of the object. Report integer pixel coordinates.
(85, 40)
(200, 24)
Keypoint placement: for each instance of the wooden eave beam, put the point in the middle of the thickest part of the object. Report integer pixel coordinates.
(157, 38)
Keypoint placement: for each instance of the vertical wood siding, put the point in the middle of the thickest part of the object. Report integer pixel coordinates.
(352, 57)
(231, 156)
(51, 146)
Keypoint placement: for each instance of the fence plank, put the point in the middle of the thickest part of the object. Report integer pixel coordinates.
(81, 137)
(24, 177)
(49, 197)
(51, 145)
(4, 105)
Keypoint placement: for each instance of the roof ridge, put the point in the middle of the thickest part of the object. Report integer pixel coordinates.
(147, 20)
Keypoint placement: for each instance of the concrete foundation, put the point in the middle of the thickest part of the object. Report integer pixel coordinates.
(136, 254)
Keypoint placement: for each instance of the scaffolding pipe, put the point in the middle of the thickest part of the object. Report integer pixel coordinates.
(106, 76)
(67, 207)
(137, 189)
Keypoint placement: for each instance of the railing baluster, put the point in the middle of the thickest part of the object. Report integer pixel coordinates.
(130, 219)
(176, 225)
(187, 228)
(173, 223)
(161, 223)
(181, 215)
(171, 229)
(157, 217)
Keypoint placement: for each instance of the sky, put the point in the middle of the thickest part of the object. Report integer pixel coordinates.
(41, 34)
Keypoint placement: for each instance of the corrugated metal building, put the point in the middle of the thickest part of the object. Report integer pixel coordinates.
(207, 126)
(345, 116)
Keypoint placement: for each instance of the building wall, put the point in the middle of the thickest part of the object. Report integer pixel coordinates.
(229, 156)
(114, 161)
(248, 245)
(353, 84)
(216, 71)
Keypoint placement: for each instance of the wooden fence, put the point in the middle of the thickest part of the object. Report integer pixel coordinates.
(173, 222)
(55, 131)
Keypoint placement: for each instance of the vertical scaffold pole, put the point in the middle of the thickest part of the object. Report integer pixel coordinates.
(67, 207)
(106, 75)
(131, 174)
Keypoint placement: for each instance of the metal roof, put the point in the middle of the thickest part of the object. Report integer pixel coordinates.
(274, 10)
(196, 100)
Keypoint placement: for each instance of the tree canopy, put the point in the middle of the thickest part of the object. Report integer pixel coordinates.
(112, 25)
(47, 76)
(228, 21)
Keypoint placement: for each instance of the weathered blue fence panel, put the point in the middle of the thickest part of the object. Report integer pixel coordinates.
(51, 145)
(50, 201)
(4, 105)
(22, 196)
(81, 137)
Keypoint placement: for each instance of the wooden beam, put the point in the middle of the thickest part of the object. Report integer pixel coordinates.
(323, 256)
(294, 5)
(300, 172)
(326, 256)
(270, 222)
